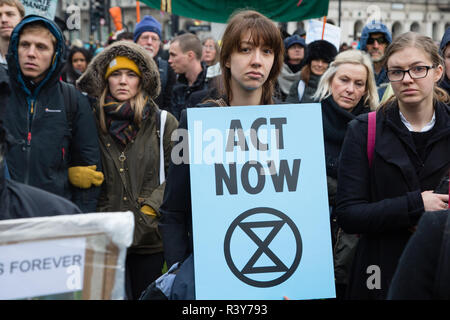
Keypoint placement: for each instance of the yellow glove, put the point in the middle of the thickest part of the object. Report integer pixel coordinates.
(85, 177)
(148, 210)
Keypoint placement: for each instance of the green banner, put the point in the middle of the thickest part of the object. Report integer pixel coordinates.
(220, 10)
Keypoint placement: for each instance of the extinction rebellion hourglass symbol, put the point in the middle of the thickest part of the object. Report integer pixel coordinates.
(279, 269)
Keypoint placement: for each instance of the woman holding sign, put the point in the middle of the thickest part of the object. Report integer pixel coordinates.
(346, 90)
(125, 80)
(251, 59)
(384, 200)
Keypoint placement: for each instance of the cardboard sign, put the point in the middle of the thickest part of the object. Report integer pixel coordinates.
(41, 268)
(259, 203)
(79, 256)
(44, 8)
(332, 33)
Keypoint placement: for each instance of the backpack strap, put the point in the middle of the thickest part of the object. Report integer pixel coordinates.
(70, 102)
(371, 133)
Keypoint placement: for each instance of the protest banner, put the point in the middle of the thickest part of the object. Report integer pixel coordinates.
(65, 257)
(260, 212)
(44, 8)
(316, 31)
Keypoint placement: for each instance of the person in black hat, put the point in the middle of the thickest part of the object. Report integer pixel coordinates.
(290, 73)
(319, 54)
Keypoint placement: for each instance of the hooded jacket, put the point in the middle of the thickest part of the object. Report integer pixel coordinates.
(135, 181)
(16, 199)
(445, 82)
(36, 116)
(376, 27)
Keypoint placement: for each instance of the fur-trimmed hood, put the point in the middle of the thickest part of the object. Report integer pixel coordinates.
(93, 82)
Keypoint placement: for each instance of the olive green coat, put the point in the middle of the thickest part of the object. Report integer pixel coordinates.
(133, 180)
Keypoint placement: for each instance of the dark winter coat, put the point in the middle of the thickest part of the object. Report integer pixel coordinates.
(176, 210)
(423, 270)
(18, 201)
(383, 203)
(445, 82)
(37, 119)
(168, 78)
(185, 96)
(310, 90)
(134, 182)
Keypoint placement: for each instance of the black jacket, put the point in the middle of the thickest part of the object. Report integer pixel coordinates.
(18, 201)
(185, 96)
(335, 120)
(36, 117)
(175, 223)
(383, 203)
(168, 78)
(423, 270)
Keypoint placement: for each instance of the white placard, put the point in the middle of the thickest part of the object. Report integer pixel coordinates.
(44, 8)
(39, 268)
(332, 33)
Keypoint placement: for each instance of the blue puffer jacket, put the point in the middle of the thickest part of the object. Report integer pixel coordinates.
(36, 117)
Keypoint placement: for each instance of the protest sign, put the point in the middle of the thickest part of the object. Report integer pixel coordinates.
(44, 8)
(78, 256)
(259, 203)
(331, 33)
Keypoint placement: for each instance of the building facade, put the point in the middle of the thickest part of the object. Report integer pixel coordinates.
(428, 17)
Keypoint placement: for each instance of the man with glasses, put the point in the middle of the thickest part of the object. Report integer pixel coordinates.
(147, 34)
(375, 38)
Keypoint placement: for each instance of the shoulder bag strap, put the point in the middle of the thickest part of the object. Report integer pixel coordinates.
(371, 132)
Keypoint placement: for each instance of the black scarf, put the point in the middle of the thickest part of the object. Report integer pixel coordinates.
(335, 120)
(120, 119)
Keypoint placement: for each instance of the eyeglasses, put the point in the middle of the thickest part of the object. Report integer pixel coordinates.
(416, 72)
(147, 37)
(209, 47)
(381, 40)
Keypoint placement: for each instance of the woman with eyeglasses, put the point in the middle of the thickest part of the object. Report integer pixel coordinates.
(384, 201)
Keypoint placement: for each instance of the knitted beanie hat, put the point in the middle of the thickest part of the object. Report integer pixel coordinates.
(121, 62)
(147, 24)
(290, 41)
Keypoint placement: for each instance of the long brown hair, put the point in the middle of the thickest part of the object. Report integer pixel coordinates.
(263, 30)
(427, 45)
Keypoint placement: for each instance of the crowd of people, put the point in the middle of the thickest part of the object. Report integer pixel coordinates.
(83, 132)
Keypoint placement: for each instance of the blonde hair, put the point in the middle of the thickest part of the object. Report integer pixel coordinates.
(40, 27)
(137, 103)
(216, 47)
(357, 57)
(14, 3)
(427, 45)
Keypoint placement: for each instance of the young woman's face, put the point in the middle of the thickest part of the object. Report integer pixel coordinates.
(209, 52)
(413, 91)
(250, 66)
(318, 67)
(79, 62)
(349, 85)
(123, 84)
